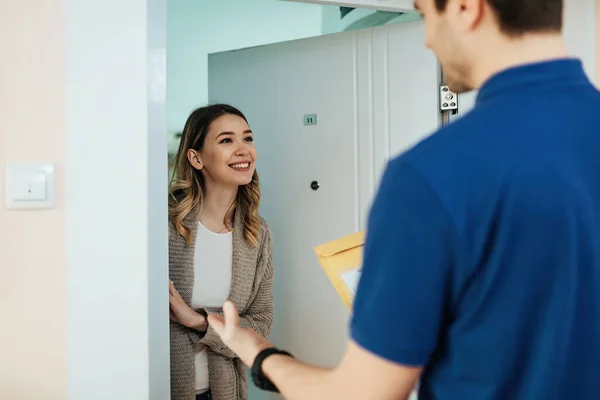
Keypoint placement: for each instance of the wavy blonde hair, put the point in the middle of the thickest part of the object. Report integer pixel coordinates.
(187, 188)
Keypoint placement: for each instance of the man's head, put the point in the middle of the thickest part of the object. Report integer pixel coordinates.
(464, 33)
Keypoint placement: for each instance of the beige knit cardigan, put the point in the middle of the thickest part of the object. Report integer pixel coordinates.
(251, 292)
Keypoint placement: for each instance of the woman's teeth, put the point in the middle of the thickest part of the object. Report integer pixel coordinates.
(240, 166)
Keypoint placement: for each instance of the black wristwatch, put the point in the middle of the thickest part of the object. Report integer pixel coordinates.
(259, 379)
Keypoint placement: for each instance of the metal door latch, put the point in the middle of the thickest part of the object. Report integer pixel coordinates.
(448, 99)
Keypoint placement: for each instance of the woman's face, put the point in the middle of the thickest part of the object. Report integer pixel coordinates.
(228, 156)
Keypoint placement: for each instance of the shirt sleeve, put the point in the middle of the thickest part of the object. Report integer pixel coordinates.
(401, 301)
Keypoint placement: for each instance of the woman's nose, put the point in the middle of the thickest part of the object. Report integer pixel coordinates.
(243, 149)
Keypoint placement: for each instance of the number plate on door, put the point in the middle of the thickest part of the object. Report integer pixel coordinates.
(310, 119)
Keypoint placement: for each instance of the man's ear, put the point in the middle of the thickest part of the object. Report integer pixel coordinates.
(470, 12)
(194, 159)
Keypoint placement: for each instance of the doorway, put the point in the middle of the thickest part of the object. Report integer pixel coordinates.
(372, 88)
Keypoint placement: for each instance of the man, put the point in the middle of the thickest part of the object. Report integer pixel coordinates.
(482, 261)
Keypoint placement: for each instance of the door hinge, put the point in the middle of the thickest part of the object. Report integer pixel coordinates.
(448, 100)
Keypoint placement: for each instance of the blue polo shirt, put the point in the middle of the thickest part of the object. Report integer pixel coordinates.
(482, 257)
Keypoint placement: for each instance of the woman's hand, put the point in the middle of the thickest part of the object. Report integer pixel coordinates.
(244, 342)
(182, 313)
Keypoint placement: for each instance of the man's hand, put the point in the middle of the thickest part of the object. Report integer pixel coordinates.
(182, 313)
(244, 342)
(379, 379)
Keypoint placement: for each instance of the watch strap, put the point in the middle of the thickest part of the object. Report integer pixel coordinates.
(258, 377)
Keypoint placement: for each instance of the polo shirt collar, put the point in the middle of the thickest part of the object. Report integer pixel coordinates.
(540, 74)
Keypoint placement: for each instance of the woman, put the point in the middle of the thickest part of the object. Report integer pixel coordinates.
(219, 249)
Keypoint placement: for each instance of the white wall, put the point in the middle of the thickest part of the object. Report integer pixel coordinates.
(116, 210)
(579, 32)
(83, 287)
(199, 27)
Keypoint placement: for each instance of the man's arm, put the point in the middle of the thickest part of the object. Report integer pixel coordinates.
(360, 375)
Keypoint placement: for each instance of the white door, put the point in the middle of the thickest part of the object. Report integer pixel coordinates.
(372, 94)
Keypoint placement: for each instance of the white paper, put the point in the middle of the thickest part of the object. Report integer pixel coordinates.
(351, 279)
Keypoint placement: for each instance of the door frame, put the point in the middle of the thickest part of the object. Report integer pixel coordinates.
(383, 5)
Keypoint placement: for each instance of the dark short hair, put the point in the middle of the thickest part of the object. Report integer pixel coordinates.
(517, 17)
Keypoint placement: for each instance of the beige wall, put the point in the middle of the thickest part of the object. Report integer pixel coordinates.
(32, 243)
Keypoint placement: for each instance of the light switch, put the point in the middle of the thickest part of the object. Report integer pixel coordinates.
(29, 186)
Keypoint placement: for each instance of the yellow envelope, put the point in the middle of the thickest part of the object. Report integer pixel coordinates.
(341, 260)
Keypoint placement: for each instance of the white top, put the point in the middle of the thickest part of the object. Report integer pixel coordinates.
(212, 282)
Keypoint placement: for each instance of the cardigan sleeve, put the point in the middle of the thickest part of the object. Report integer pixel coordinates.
(259, 314)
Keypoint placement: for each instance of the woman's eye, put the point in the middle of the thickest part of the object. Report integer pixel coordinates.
(250, 139)
(227, 140)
